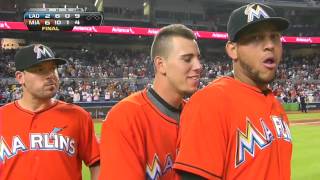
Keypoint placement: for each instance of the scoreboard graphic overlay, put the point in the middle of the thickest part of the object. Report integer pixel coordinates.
(60, 19)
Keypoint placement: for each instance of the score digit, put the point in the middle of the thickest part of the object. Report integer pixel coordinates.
(67, 16)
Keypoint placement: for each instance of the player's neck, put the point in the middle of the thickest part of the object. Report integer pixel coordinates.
(35, 105)
(241, 77)
(167, 94)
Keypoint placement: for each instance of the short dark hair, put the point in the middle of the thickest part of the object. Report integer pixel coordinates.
(161, 42)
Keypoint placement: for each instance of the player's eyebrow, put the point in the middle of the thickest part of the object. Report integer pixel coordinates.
(189, 55)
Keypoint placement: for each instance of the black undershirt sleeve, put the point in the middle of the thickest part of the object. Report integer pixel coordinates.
(189, 176)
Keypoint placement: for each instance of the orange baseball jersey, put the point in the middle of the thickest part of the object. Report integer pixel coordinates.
(49, 144)
(139, 139)
(231, 130)
(1, 126)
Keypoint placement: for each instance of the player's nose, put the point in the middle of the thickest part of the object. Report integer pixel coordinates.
(197, 65)
(269, 43)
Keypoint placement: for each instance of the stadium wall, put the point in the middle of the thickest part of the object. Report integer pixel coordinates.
(98, 110)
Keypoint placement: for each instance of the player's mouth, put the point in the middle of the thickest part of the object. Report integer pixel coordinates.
(195, 78)
(270, 63)
(50, 85)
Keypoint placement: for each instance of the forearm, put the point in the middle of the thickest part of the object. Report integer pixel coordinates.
(95, 171)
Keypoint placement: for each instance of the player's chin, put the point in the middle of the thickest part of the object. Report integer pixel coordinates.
(46, 96)
(268, 78)
(191, 90)
(50, 93)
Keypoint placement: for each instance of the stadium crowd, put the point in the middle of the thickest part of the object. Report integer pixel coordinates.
(105, 75)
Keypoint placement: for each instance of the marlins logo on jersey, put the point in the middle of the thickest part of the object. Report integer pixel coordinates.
(39, 142)
(252, 138)
(154, 171)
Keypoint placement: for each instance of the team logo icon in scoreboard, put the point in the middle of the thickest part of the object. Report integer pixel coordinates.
(60, 19)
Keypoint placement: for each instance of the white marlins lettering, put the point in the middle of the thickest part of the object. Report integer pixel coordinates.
(37, 142)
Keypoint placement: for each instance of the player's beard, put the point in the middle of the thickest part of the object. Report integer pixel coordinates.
(42, 93)
(256, 76)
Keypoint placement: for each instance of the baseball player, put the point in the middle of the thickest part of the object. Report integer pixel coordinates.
(139, 135)
(235, 128)
(43, 138)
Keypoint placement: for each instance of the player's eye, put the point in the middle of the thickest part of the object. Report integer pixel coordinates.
(257, 37)
(187, 60)
(39, 69)
(275, 37)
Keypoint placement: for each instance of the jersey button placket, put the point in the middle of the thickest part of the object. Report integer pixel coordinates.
(33, 123)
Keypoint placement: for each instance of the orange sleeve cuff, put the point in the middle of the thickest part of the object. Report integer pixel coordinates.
(94, 160)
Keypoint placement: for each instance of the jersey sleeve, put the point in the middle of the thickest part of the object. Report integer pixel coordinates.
(88, 147)
(202, 140)
(122, 147)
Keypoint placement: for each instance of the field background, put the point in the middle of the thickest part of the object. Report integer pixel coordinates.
(305, 131)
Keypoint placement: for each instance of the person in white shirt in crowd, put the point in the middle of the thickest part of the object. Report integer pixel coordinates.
(96, 95)
(89, 97)
(107, 95)
(76, 96)
(84, 95)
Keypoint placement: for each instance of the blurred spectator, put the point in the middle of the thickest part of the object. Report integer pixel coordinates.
(106, 75)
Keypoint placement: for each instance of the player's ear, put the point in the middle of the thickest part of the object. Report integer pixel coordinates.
(231, 49)
(159, 63)
(20, 77)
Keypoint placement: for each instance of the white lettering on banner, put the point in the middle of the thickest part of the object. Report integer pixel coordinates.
(132, 32)
(7, 26)
(4, 25)
(94, 29)
(83, 28)
(301, 39)
(219, 35)
(152, 31)
(122, 30)
(197, 34)
(283, 39)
